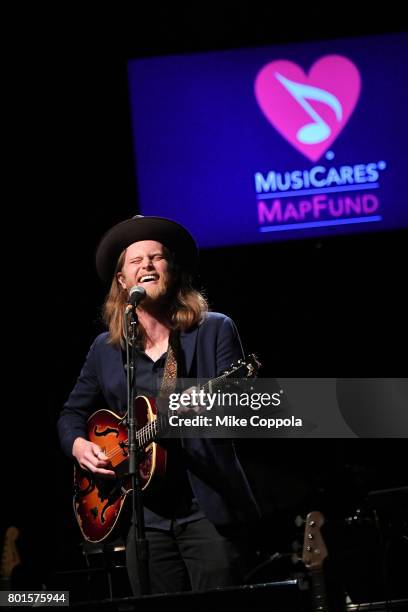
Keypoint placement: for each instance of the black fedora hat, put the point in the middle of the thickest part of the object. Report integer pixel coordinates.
(172, 235)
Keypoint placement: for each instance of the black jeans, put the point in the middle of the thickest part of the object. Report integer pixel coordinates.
(193, 556)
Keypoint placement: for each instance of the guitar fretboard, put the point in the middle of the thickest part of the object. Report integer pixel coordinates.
(319, 591)
(149, 432)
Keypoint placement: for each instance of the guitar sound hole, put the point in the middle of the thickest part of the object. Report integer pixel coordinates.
(94, 512)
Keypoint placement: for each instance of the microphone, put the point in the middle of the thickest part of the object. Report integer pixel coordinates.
(136, 295)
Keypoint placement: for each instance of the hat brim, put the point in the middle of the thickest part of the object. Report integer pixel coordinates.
(172, 235)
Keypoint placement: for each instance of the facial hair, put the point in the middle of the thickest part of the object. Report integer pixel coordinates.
(158, 296)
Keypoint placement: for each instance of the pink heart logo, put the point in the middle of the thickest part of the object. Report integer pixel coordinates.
(311, 110)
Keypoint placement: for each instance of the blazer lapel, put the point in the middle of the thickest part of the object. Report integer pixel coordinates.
(119, 366)
(188, 341)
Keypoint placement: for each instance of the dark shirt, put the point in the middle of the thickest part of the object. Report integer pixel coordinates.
(175, 501)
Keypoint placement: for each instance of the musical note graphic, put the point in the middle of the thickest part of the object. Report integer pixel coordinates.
(318, 130)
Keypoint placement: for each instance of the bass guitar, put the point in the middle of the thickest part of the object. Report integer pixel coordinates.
(314, 555)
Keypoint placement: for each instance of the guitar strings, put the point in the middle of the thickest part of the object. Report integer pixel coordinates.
(141, 435)
(146, 433)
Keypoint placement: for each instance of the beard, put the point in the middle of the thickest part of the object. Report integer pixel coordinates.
(158, 296)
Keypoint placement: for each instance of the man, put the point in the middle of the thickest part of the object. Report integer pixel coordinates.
(195, 524)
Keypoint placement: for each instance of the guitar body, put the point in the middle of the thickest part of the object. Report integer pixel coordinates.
(98, 502)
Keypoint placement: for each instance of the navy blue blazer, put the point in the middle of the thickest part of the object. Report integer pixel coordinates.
(216, 476)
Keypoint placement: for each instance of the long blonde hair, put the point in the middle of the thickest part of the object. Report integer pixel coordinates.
(186, 309)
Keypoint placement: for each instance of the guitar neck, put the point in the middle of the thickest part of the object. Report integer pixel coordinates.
(150, 432)
(242, 369)
(214, 385)
(318, 591)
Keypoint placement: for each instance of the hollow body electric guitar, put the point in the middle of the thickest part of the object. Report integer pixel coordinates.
(98, 502)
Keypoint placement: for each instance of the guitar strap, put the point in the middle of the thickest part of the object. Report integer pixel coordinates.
(170, 367)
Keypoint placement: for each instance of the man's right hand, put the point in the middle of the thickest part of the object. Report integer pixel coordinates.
(91, 457)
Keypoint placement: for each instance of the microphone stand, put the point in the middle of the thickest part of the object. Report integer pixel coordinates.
(139, 532)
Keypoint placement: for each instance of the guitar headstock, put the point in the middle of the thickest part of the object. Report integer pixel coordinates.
(10, 557)
(314, 548)
(244, 368)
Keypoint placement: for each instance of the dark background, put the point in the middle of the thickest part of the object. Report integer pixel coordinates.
(328, 307)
